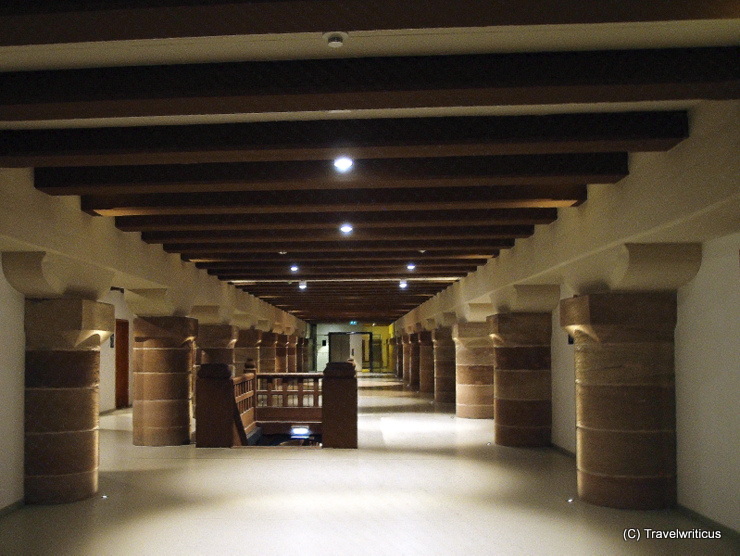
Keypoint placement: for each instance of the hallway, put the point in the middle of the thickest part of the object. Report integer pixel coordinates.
(423, 482)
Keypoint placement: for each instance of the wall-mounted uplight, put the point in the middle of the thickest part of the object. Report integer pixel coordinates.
(302, 285)
(411, 266)
(402, 284)
(294, 268)
(343, 164)
(346, 228)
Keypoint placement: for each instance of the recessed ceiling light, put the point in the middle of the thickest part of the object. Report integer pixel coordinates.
(346, 228)
(302, 285)
(402, 284)
(422, 250)
(294, 268)
(282, 252)
(411, 266)
(343, 164)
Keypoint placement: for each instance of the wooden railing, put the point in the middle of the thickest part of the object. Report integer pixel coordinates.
(284, 399)
(224, 412)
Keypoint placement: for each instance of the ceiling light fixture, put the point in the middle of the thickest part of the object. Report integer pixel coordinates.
(343, 164)
(302, 285)
(294, 268)
(411, 266)
(422, 251)
(335, 39)
(282, 252)
(402, 284)
(346, 228)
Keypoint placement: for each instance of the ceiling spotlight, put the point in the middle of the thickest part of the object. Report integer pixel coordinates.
(346, 228)
(422, 251)
(402, 284)
(294, 268)
(282, 252)
(411, 266)
(335, 39)
(302, 285)
(343, 164)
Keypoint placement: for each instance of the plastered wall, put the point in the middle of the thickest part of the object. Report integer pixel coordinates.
(108, 354)
(708, 385)
(12, 356)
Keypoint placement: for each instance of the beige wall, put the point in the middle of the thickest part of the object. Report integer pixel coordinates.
(108, 355)
(12, 393)
(708, 385)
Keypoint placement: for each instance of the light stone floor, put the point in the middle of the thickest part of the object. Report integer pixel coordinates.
(423, 482)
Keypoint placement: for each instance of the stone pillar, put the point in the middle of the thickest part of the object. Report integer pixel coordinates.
(281, 354)
(522, 390)
(267, 352)
(163, 363)
(291, 349)
(247, 349)
(299, 351)
(406, 358)
(625, 397)
(473, 370)
(399, 358)
(339, 407)
(426, 363)
(216, 344)
(444, 366)
(413, 383)
(63, 338)
(308, 349)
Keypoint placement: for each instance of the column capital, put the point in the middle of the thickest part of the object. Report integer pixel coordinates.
(217, 335)
(164, 331)
(67, 323)
(520, 328)
(250, 337)
(615, 316)
(425, 338)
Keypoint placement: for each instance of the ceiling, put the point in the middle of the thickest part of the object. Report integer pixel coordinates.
(211, 128)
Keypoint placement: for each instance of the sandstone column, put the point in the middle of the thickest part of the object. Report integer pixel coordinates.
(281, 354)
(163, 363)
(308, 349)
(63, 338)
(474, 370)
(268, 348)
(291, 354)
(413, 383)
(444, 366)
(406, 358)
(522, 379)
(339, 392)
(625, 397)
(426, 363)
(247, 349)
(216, 344)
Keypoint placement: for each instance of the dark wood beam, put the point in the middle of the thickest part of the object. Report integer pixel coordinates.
(564, 169)
(356, 266)
(65, 21)
(372, 83)
(466, 245)
(359, 139)
(329, 220)
(358, 200)
(459, 232)
(300, 256)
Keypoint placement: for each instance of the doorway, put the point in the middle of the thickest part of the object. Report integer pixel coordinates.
(121, 343)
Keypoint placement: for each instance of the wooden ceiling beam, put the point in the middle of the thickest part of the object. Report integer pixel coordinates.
(359, 139)
(372, 83)
(299, 257)
(290, 176)
(71, 21)
(359, 200)
(326, 221)
(459, 232)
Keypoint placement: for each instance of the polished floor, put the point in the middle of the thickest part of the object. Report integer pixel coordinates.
(423, 482)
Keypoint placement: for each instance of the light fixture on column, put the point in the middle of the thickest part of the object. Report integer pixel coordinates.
(346, 228)
(411, 266)
(403, 284)
(302, 285)
(343, 164)
(294, 268)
